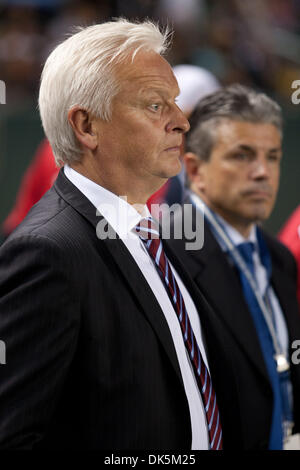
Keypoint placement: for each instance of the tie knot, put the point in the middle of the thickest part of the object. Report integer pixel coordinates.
(147, 229)
(246, 249)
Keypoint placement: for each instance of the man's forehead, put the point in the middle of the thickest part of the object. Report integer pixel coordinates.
(149, 71)
(239, 133)
(157, 87)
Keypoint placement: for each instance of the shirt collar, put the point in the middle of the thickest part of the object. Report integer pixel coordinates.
(120, 215)
(235, 236)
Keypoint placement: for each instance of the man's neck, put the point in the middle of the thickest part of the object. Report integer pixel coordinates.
(136, 195)
(242, 226)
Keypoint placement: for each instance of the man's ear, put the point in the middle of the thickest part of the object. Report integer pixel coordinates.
(194, 168)
(83, 127)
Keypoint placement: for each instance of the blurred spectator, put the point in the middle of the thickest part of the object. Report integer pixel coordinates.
(21, 44)
(194, 83)
(250, 42)
(75, 13)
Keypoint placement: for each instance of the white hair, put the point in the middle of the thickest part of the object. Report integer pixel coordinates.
(81, 71)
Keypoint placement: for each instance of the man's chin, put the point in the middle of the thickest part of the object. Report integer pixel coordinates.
(259, 216)
(175, 170)
(167, 172)
(259, 211)
(166, 175)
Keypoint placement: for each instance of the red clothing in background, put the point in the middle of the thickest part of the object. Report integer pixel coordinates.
(290, 236)
(38, 178)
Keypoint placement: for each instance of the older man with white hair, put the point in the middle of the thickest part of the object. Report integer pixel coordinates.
(104, 334)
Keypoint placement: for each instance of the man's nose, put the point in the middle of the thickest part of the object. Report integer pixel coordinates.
(260, 169)
(178, 122)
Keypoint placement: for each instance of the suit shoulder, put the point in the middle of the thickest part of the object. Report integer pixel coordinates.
(53, 219)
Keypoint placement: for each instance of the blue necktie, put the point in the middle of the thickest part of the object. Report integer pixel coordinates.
(246, 250)
(276, 436)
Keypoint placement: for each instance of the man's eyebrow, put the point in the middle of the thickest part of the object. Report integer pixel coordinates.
(158, 91)
(248, 148)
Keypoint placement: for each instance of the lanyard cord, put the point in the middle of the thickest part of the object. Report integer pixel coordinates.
(241, 263)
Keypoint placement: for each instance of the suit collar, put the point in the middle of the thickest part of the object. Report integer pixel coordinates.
(145, 297)
(121, 215)
(75, 198)
(229, 294)
(220, 283)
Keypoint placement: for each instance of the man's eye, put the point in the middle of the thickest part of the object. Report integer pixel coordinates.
(273, 158)
(241, 156)
(155, 107)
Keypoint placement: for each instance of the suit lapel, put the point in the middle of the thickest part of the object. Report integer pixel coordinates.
(219, 282)
(129, 270)
(141, 290)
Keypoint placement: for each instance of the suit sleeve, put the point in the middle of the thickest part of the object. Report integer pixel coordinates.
(39, 323)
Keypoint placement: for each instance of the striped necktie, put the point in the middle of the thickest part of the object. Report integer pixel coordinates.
(148, 232)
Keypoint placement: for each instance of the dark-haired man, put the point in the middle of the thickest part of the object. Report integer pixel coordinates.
(233, 166)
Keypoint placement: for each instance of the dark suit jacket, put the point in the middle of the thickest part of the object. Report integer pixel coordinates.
(90, 359)
(218, 280)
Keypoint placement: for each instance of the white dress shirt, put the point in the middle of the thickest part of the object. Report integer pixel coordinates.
(123, 218)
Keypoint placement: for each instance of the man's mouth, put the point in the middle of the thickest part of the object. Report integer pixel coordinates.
(259, 193)
(173, 149)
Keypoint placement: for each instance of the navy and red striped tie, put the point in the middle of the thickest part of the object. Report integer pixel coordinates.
(148, 232)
